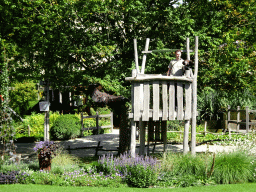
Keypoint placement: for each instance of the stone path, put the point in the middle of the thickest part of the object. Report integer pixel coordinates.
(109, 142)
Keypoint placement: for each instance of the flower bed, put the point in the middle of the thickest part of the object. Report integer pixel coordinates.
(171, 170)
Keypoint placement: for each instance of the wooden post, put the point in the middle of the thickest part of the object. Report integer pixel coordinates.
(97, 123)
(133, 124)
(228, 127)
(136, 55)
(205, 127)
(238, 119)
(111, 121)
(193, 130)
(82, 124)
(28, 130)
(188, 50)
(145, 56)
(247, 119)
(133, 138)
(185, 139)
(142, 138)
(46, 116)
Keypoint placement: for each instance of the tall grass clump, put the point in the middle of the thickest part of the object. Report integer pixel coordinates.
(137, 172)
(179, 164)
(235, 167)
(179, 170)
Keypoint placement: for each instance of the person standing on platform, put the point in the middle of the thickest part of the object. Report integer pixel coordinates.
(176, 66)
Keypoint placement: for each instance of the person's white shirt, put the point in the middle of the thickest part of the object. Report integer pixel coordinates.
(176, 67)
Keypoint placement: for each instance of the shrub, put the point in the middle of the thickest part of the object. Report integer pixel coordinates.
(141, 176)
(231, 168)
(36, 124)
(66, 127)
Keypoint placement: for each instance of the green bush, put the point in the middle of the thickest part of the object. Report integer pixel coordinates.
(66, 127)
(35, 121)
(23, 97)
(231, 168)
(141, 176)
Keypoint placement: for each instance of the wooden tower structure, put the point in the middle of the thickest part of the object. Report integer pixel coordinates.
(154, 101)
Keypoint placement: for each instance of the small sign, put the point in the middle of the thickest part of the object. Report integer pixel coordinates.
(44, 105)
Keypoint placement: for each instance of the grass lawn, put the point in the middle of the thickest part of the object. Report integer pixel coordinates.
(248, 187)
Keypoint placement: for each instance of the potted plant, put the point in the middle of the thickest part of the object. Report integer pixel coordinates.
(46, 150)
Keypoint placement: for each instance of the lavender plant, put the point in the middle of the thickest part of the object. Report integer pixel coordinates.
(137, 172)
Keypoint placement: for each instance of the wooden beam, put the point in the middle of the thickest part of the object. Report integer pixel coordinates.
(145, 115)
(156, 101)
(171, 101)
(159, 78)
(165, 101)
(180, 101)
(165, 50)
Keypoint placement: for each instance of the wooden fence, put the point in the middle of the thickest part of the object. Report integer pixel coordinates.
(97, 117)
(238, 121)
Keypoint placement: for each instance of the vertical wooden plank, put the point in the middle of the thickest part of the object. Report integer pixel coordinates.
(180, 101)
(136, 114)
(188, 101)
(238, 119)
(145, 115)
(247, 119)
(156, 101)
(171, 101)
(165, 101)
(229, 129)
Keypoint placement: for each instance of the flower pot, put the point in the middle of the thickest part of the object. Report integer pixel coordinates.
(44, 161)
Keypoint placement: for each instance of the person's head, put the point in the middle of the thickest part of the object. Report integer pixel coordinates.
(178, 54)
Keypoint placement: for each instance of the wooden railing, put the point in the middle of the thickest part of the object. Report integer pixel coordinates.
(97, 122)
(159, 96)
(238, 121)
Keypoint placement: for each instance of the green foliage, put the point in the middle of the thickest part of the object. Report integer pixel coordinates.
(236, 167)
(66, 127)
(70, 178)
(179, 164)
(21, 94)
(35, 123)
(141, 176)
